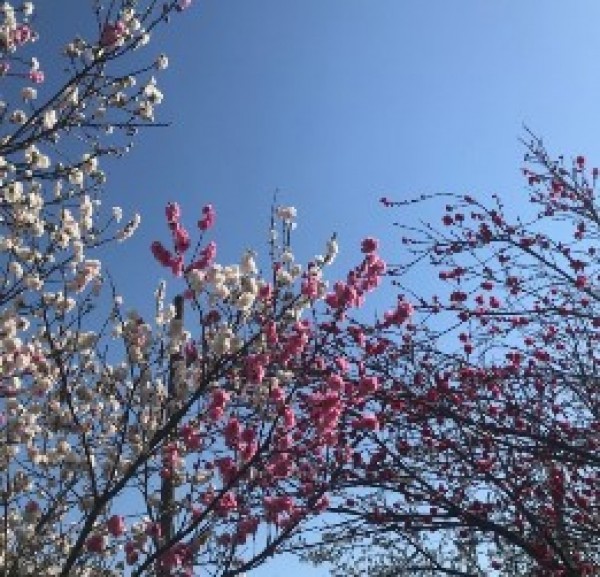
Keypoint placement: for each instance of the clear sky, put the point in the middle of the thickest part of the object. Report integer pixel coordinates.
(338, 102)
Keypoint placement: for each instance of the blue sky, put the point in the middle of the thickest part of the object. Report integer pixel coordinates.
(338, 102)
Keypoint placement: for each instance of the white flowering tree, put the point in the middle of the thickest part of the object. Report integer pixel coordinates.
(130, 445)
(52, 139)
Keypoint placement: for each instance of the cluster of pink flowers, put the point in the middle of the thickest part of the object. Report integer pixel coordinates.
(363, 279)
(178, 558)
(218, 402)
(181, 242)
(397, 317)
(279, 509)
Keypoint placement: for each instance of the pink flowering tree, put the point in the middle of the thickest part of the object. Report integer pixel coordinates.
(244, 437)
(485, 458)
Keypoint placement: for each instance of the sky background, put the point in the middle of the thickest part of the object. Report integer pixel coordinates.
(337, 103)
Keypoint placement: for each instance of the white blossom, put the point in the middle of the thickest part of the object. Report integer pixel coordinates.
(162, 62)
(50, 119)
(28, 93)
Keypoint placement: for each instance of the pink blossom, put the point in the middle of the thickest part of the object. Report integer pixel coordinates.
(322, 503)
(400, 315)
(232, 432)
(368, 385)
(248, 525)
(220, 397)
(277, 506)
(161, 254)
(335, 382)
(116, 525)
(254, 368)
(173, 212)
(95, 544)
(176, 557)
(207, 256)
(342, 364)
(22, 34)
(132, 558)
(265, 292)
(289, 417)
(310, 287)
(210, 251)
(226, 504)
(270, 331)
(357, 335)
(36, 76)
(177, 265)
(191, 438)
(183, 5)
(181, 239)
(208, 217)
(153, 530)
(368, 421)
(227, 469)
(191, 351)
(112, 33)
(277, 395)
(248, 435)
(369, 245)
(248, 450)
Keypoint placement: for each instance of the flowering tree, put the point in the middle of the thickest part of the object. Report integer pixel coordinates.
(129, 443)
(52, 139)
(485, 457)
(252, 422)
(193, 444)
(169, 445)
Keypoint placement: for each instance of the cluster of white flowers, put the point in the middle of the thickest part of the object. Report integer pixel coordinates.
(61, 403)
(86, 272)
(152, 97)
(136, 335)
(224, 341)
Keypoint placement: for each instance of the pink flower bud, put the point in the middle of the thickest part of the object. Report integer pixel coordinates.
(161, 254)
(95, 544)
(181, 238)
(111, 34)
(116, 525)
(172, 212)
(36, 76)
(22, 34)
(176, 265)
(208, 217)
(369, 245)
(153, 530)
